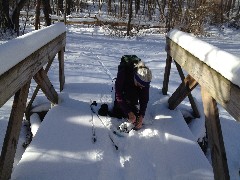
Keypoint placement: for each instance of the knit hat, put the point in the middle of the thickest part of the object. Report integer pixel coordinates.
(143, 74)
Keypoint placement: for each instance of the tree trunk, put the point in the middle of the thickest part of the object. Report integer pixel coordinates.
(47, 11)
(121, 8)
(16, 14)
(109, 6)
(37, 18)
(100, 6)
(129, 18)
(53, 8)
(60, 5)
(6, 21)
(149, 10)
(137, 6)
(169, 16)
(69, 5)
(238, 11)
(228, 7)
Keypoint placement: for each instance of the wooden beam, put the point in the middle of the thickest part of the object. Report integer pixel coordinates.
(12, 133)
(61, 69)
(28, 109)
(215, 137)
(182, 92)
(222, 90)
(16, 77)
(167, 74)
(190, 97)
(43, 81)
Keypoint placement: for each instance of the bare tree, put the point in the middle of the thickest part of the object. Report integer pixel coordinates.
(121, 8)
(60, 6)
(69, 4)
(129, 17)
(47, 11)
(37, 15)
(5, 18)
(169, 25)
(109, 6)
(16, 14)
(137, 6)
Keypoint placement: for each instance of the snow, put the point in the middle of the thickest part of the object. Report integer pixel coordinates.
(16, 50)
(81, 19)
(35, 123)
(165, 148)
(223, 62)
(41, 107)
(62, 148)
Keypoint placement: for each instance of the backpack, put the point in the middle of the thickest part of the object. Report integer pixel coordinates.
(128, 62)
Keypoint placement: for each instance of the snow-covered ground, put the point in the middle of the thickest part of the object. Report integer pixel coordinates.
(91, 60)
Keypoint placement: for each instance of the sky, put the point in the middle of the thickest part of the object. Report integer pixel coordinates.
(165, 148)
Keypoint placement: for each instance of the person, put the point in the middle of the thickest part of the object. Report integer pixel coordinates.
(132, 93)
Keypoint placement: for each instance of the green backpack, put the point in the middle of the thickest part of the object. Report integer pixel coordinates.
(128, 62)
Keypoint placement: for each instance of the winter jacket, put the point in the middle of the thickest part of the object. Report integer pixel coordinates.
(127, 92)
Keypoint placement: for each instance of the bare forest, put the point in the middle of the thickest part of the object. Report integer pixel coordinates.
(186, 15)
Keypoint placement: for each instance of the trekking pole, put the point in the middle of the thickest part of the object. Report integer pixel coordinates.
(109, 130)
(94, 138)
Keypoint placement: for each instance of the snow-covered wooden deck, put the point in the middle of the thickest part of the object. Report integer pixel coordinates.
(63, 148)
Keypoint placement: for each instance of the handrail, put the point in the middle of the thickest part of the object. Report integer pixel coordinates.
(224, 91)
(215, 89)
(15, 79)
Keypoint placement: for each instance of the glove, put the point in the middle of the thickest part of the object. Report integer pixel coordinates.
(139, 123)
(131, 117)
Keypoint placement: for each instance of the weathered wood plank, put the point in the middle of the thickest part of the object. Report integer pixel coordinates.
(16, 77)
(167, 74)
(27, 112)
(190, 97)
(13, 131)
(182, 92)
(222, 90)
(215, 137)
(43, 81)
(61, 69)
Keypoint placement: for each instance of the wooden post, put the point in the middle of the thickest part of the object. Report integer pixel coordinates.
(182, 92)
(215, 137)
(190, 97)
(43, 81)
(61, 69)
(12, 133)
(166, 74)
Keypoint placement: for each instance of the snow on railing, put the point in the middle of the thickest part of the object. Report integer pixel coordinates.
(14, 51)
(223, 62)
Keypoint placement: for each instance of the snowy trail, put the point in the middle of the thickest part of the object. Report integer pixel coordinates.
(63, 149)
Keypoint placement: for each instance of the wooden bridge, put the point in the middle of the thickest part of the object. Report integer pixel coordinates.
(15, 80)
(215, 88)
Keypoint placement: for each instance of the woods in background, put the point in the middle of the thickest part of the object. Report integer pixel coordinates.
(187, 15)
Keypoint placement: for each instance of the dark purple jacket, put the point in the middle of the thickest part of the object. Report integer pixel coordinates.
(127, 91)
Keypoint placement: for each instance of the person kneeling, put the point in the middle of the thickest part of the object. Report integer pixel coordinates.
(132, 93)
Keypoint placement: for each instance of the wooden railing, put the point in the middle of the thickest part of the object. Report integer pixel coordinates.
(16, 81)
(214, 89)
